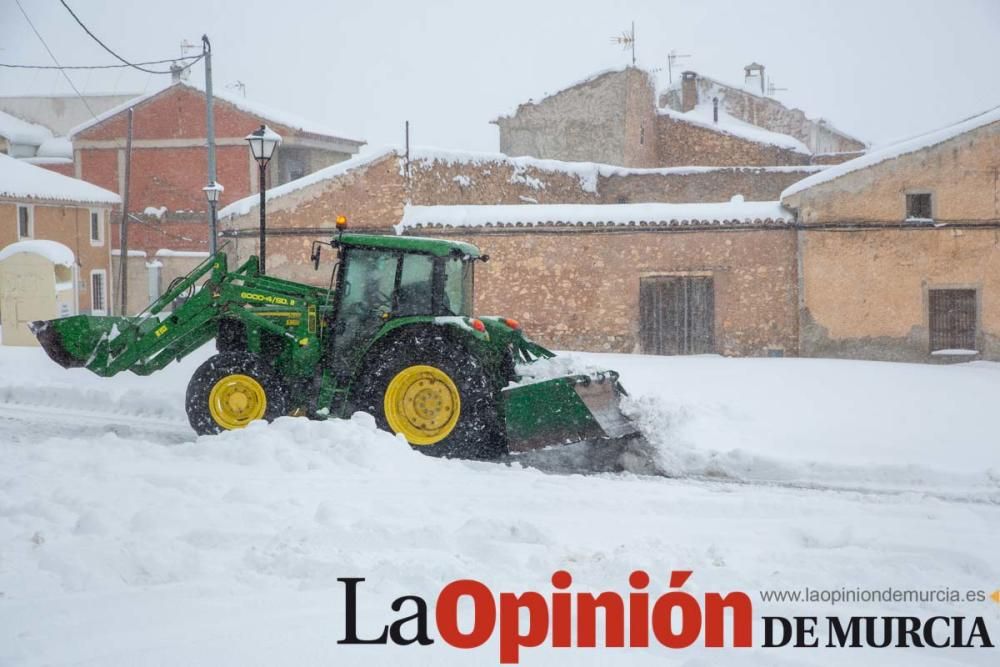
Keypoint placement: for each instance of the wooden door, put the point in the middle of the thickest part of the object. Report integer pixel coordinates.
(677, 315)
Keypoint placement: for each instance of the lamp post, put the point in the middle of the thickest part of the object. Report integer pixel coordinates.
(263, 141)
(212, 193)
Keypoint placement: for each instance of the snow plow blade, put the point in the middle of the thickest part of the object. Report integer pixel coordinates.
(565, 410)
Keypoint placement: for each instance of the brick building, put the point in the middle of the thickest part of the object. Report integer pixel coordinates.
(616, 117)
(169, 167)
(37, 204)
(900, 249)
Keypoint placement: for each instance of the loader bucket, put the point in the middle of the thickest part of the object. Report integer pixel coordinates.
(76, 341)
(565, 410)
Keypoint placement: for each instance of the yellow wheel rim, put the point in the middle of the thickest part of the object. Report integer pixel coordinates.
(237, 400)
(422, 403)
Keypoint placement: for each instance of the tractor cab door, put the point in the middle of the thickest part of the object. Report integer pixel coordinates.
(366, 295)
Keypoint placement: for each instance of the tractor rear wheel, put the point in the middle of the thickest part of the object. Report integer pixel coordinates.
(232, 389)
(437, 395)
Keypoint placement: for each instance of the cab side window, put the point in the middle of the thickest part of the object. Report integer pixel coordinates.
(415, 286)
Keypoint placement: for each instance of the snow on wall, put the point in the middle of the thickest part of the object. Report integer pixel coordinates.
(540, 98)
(735, 212)
(424, 158)
(247, 204)
(20, 180)
(53, 251)
(895, 150)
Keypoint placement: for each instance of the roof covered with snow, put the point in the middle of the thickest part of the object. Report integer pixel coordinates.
(17, 131)
(22, 181)
(703, 116)
(247, 204)
(262, 111)
(736, 212)
(587, 173)
(895, 150)
(53, 251)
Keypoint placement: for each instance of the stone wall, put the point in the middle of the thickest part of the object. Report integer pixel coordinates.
(682, 143)
(579, 290)
(865, 295)
(961, 174)
(866, 272)
(373, 196)
(583, 122)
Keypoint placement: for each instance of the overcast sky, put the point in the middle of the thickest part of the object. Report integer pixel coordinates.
(879, 69)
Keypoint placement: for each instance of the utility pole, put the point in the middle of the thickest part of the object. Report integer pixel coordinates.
(123, 258)
(210, 138)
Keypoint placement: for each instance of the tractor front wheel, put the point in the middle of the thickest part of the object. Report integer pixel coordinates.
(232, 389)
(438, 397)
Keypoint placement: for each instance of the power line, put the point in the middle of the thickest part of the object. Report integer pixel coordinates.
(77, 67)
(107, 48)
(54, 59)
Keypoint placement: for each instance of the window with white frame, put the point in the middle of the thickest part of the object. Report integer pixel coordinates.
(96, 227)
(25, 222)
(98, 292)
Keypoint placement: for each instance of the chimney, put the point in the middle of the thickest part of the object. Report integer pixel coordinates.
(689, 91)
(175, 72)
(715, 109)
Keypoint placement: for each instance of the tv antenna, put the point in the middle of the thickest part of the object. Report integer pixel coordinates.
(673, 57)
(627, 41)
(772, 89)
(240, 86)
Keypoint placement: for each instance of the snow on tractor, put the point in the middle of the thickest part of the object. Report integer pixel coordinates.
(393, 335)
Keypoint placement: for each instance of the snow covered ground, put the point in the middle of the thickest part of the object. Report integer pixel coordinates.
(125, 540)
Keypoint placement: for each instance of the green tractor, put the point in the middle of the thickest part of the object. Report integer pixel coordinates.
(393, 335)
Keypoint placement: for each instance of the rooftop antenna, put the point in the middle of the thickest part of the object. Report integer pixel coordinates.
(627, 41)
(240, 86)
(186, 46)
(771, 88)
(673, 57)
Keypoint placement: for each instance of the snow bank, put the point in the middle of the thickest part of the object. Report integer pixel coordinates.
(638, 215)
(53, 251)
(126, 546)
(20, 180)
(893, 151)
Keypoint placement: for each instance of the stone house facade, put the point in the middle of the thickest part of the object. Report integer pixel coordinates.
(615, 117)
(900, 249)
(169, 167)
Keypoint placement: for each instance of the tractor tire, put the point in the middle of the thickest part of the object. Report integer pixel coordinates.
(232, 389)
(435, 393)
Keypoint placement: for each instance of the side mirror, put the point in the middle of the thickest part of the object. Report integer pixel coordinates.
(317, 249)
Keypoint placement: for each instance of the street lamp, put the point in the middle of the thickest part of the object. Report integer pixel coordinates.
(263, 141)
(212, 193)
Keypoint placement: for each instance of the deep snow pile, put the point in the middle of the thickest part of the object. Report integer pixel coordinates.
(155, 547)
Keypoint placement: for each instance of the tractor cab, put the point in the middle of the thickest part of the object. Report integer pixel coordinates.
(380, 278)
